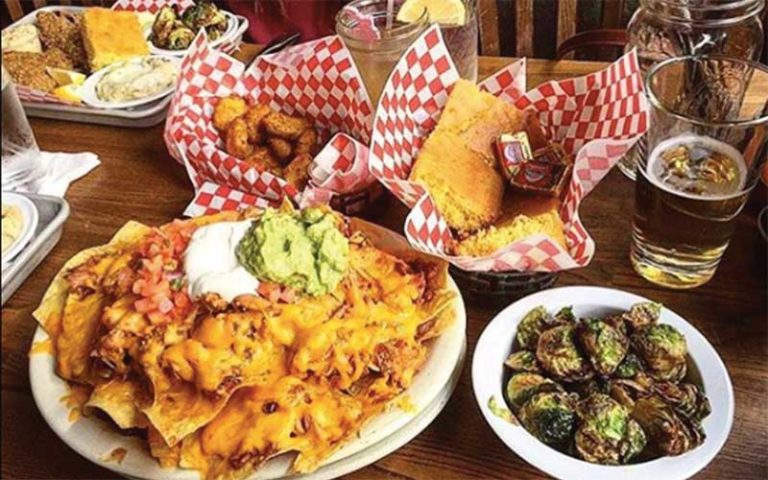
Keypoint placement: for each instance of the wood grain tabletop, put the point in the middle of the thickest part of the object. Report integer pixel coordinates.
(138, 180)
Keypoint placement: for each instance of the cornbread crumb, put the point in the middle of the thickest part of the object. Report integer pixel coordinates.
(523, 216)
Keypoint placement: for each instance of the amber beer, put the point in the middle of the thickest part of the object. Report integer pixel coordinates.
(687, 196)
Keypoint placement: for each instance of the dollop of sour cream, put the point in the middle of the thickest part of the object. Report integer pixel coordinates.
(211, 265)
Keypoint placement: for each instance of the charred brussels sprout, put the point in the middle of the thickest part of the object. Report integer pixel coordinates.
(663, 349)
(531, 326)
(642, 314)
(629, 368)
(627, 391)
(687, 399)
(522, 361)
(607, 434)
(565, 315)
(205, 14)
(180, 38)
(558, 355)
(550, 417)
(523, 386)
(667, 432)
(604, 345)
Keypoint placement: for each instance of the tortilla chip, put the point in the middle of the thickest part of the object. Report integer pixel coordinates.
(117, 398)
(48, 314)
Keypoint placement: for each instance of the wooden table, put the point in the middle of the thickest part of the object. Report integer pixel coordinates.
(138, 180)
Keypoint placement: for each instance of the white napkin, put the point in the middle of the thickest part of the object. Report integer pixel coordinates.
(61, 169)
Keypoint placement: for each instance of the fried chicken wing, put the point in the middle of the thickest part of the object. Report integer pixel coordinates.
(237, 139)
(307, 142)
(284, 126)
(253, 118)
(263, 159)
(228, 109)
(281, 149)
(297, 172)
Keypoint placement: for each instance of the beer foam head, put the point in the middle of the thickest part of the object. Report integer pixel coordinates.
(656, 165)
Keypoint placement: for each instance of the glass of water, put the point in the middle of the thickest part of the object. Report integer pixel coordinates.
(21, 164)
(707, 141)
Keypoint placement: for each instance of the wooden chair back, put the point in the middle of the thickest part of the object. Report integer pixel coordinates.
(508, 27)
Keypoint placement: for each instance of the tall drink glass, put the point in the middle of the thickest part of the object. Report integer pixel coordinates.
(707, 141)
(375, 57)
(21, 166)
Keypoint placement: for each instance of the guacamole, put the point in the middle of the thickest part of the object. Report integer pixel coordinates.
(304, 250)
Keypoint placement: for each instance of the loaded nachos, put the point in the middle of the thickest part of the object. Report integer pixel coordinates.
(269, 344)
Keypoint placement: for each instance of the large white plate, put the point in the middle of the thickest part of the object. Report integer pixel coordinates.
(495, 344)
(95, 439)
(29, 216)
(89, 95)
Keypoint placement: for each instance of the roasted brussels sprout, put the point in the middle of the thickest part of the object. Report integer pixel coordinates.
(642, 314)
(523, 361)
(523, 386)
(629, 368)
(667, 431)
(204, 14)
(627, 391)
(607, 434)
(550, 417)
(180, 38)
(165, 21)
(565, 315)
(605, 346)
(531, 326)
(586, 388)
(558, 355)
(687, 399)
(663, 349)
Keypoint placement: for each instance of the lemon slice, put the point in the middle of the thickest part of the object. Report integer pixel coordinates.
(69, 93)
(66, 77)
(446, 12)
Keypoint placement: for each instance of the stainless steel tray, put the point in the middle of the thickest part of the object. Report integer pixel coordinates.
(52, 212)
(142, 116)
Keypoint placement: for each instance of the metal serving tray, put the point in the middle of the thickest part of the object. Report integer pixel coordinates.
(142, 116)
(52, 212)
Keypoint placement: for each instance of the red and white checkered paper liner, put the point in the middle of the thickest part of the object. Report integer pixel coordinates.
(317, 80)
(597, 117)
(31, 95)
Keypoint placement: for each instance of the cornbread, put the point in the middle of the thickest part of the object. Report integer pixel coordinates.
(523, 216)
(466, 189)
(112, 36)
(457, 164)
(477, 118)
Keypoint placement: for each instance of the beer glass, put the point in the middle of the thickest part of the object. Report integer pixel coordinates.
(707, 140)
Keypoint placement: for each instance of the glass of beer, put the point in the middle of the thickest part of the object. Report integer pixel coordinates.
(707, 141)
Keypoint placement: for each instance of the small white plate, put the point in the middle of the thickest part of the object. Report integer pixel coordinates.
(94, 438)
(30, 217)
(88, 90)
(232, 27)
(495, 344)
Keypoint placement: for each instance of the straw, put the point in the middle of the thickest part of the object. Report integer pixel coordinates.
(390, 13)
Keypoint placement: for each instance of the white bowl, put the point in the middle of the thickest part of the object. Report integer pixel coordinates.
(95, 439)
(88, 90)
(495, 344)
(234, 25)
(30, 218)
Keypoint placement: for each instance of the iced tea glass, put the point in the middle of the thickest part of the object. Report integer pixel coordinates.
(707, 141)
(376, 57)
